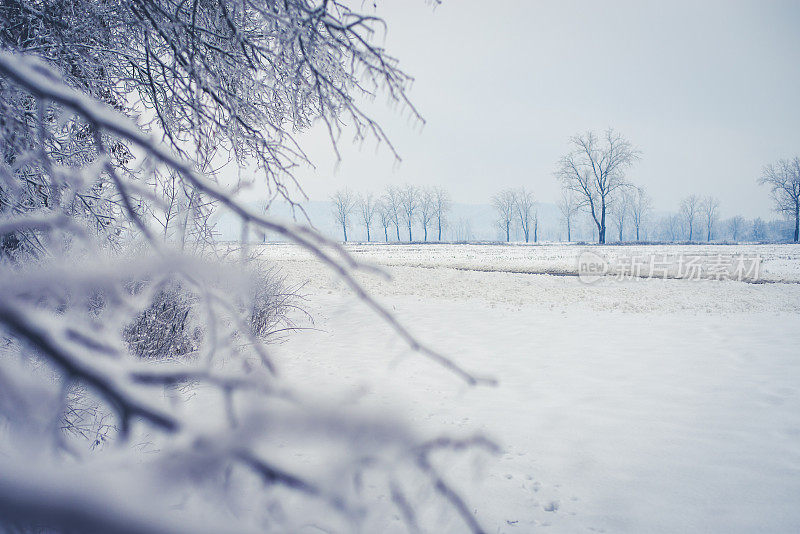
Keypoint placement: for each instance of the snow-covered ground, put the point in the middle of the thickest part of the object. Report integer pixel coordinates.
(625, 405)
(776, 262)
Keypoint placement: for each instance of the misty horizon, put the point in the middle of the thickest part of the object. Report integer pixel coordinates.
(705, 91)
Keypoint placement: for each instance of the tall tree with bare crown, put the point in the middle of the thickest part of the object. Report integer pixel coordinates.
(783, 179)
(595, 171)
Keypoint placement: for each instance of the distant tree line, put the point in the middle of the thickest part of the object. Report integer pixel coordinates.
(405, 208)
(595, 192)
(516, 209)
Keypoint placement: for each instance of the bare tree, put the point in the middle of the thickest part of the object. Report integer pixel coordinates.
(671, 227)
(343, 203)
(569, 207)
(524, 207)
(783, 179)
(441, 201)
(367, 206)
(264, 209)
(640, 205)
(736, 226)
(690, 210)
(504, 203)
(462, 230)
(759, 230)
(170, 189)
(427, 209)
(595, 171)
(409, 205)
(709, 209)
(385, 217)
(620, 208)
(393, 205)
(182, 214)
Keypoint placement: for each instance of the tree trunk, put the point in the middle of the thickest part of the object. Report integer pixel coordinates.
(569, 233)
(536, 231)
(367, 234)
(637, 233)
(386, 233)
(796, 221)
(440, 228)
(426, 233)
(601, 229)
(344, 229)
(397, 227)
(508, 237)
(409, 231)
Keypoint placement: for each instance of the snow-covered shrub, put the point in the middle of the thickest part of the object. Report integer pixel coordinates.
(172, 325)
(272, 303)
(168, 327)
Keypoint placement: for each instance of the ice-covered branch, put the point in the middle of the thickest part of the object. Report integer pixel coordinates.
(45, 85)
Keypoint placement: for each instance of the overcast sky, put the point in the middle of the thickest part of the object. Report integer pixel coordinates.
(707, 90)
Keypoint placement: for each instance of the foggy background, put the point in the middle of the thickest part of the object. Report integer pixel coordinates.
(705, 90)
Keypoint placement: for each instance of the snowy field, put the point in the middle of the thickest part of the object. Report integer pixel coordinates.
(625, 405)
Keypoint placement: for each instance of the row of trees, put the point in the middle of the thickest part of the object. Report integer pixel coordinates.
(673, 227)
(696, 219)
(398, 207)
(593, 179)
(517, 206)
(702, 211)
(594, 184)
(400, 211)
(633, 207)
(630, 216)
